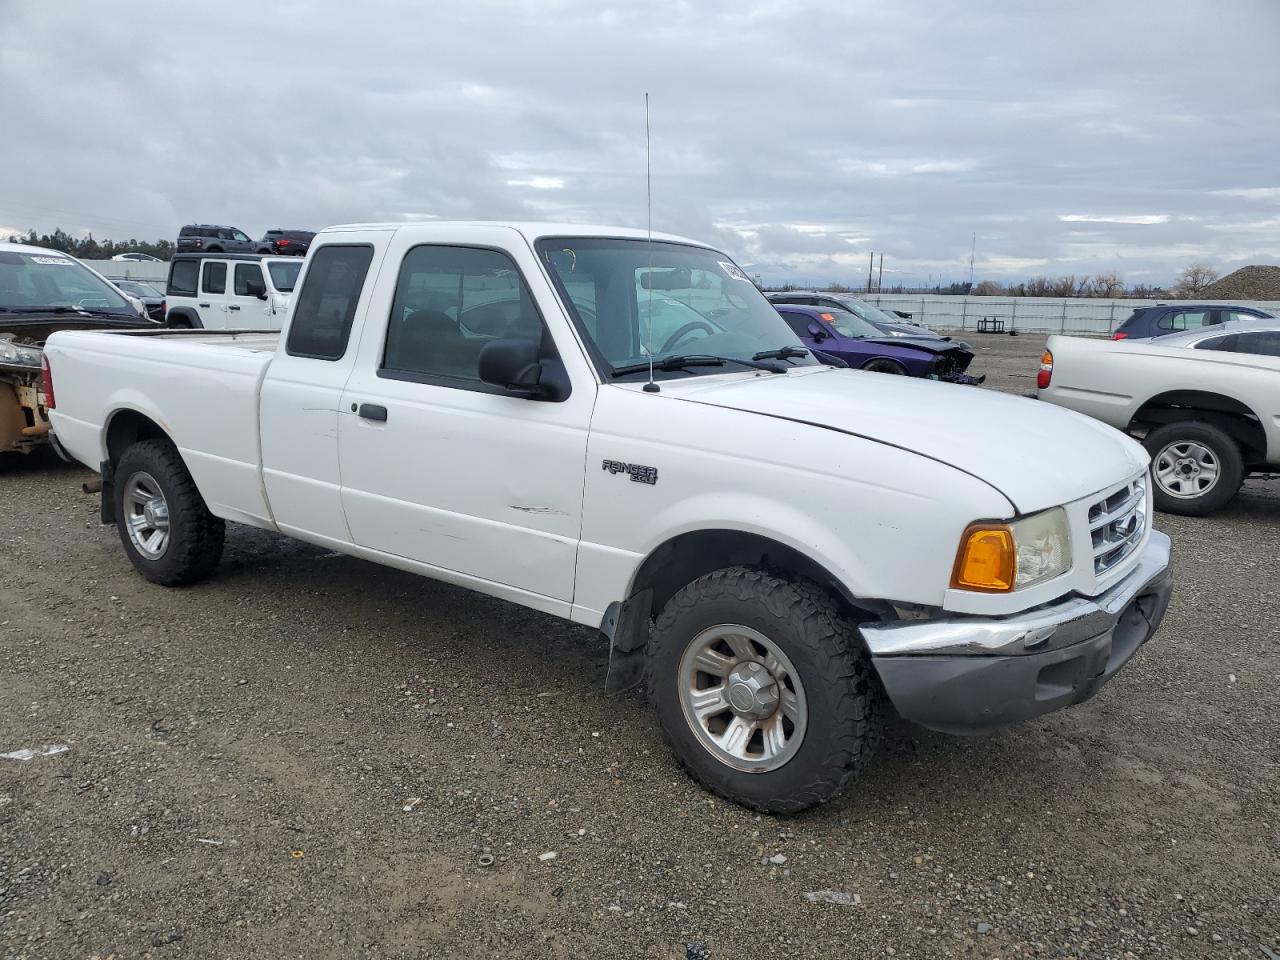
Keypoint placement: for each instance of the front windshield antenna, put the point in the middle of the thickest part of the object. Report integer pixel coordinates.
(649, 387)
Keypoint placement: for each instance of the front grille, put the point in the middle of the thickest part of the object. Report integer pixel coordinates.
(1117, 524)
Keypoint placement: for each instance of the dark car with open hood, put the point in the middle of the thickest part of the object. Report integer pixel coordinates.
(42, 291)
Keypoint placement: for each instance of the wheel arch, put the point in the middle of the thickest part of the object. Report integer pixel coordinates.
(127, 426)
(687, 556)
(183, 313)
(1233, 417)
(684, 558)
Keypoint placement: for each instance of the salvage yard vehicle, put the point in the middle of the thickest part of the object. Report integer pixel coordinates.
(229, 291)
(1206, 403)
(771, 545)
(1166, 318)
(217, 238)
(856, 342)
(893, 323)
(42, 291)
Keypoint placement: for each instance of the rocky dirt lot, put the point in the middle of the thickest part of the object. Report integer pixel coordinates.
(311, 756)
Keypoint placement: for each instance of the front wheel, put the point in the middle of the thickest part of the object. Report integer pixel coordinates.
(1197, 468)
(762, 689)
(168, 533)
(885, 365)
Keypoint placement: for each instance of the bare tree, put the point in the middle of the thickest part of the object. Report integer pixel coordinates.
(1107, 285)
(988, 288)
(1063, 286)
(1193, 280)
(1039, 287)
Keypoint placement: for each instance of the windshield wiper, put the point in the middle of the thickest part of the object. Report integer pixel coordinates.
(782, 353)
(678, 362)
(79, 311)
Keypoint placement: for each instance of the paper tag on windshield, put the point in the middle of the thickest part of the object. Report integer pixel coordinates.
(60, 261)
(733, 271)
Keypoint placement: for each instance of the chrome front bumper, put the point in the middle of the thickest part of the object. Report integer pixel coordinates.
(963, 674)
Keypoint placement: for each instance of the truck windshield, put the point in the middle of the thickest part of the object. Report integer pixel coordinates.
(43, 278)
(633, 300)
(284, 275)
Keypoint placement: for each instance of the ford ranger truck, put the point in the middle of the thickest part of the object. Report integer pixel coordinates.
(776, 548)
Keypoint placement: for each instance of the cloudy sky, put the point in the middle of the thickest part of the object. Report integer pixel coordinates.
(1070, 137)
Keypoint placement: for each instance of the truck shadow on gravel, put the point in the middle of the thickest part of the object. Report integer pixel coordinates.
(409, 625)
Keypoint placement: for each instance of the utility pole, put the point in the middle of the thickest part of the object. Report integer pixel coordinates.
(880, 276)
(870, 270)
(972, 249)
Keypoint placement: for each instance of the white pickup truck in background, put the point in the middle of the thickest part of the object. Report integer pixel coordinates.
(1206, 403)
(772, 544)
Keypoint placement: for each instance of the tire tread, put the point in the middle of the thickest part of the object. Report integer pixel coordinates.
(858, 713)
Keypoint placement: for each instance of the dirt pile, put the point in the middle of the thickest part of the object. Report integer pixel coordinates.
(1259, 282)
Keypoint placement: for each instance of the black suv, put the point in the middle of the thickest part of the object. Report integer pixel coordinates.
(289, 243)
(210, 238)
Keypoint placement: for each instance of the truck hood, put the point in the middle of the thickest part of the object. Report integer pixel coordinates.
(1037, 455)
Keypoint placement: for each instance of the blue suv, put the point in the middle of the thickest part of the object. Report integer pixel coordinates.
(1147, 322)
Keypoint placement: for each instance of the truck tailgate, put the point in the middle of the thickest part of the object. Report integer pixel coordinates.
(201, 389)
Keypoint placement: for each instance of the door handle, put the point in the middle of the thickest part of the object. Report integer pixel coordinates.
(204, 306)
(373, 411)
(233, 306)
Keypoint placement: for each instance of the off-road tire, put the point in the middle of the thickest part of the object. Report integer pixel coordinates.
(845, 714)
(1230, 465)
(195, 535)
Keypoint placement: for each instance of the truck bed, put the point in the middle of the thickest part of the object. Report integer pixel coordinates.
(201, 387)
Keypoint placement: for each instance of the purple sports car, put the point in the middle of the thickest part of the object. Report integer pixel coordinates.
(859, 344)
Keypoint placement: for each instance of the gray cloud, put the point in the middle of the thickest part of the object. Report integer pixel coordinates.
(799, 136)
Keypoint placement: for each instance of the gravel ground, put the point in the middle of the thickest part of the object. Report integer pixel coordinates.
(310, 756)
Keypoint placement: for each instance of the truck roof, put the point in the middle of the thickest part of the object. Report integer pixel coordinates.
(531, 230)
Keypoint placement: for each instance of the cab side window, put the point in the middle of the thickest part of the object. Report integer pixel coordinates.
(1264, 343)
(326, 306)
(248, 280)
(449, 302)
(1184, 320)
(214, 277)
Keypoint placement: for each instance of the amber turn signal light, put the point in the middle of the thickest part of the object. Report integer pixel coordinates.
(987, 559)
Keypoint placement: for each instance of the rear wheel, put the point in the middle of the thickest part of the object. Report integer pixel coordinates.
(1197, 468)
(213, 249)
(885, 365)
(762, 689)
(169, 534)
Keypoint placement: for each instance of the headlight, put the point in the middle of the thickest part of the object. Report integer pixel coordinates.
(11, 352)
(999, 557)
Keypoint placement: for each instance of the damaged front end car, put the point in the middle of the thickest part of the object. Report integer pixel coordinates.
(24, 421)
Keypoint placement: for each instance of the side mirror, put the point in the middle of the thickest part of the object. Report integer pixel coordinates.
(259, 292)
(816, 332)
(512, 363)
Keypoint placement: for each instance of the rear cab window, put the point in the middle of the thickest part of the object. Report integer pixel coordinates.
(326, 303)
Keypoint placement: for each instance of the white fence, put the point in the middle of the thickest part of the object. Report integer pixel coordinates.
(1027, 314)
(155, 273)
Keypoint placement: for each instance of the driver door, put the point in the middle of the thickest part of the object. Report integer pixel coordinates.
(246, 310)
(445, 470)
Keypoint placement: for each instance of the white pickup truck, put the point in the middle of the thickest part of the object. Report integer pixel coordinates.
(1206, 403)
(773, 545)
